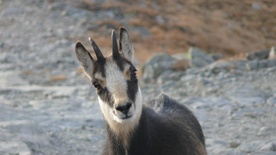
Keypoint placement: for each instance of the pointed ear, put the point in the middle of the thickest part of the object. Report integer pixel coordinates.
(85, 59)
(126, 45)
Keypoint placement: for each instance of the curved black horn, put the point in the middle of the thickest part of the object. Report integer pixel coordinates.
(98, 52)
(115, 50)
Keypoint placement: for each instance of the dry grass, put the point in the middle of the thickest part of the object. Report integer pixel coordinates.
(223, 26)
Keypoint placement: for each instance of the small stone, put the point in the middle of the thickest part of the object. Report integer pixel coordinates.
(160, 20)
(234, 144)
(269, 147)
(255, 6)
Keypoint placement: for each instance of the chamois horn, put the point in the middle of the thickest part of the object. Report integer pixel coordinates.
(98, 52)
(115, 49)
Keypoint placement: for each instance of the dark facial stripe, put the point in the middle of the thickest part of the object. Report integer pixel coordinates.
(132, 86)
(106, 97)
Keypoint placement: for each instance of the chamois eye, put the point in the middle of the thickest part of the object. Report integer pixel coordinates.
(96, 84)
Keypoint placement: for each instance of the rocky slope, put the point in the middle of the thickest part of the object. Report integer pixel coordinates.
(48, 107)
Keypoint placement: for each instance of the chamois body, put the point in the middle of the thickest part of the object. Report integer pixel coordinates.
(160, 126)
(165, 128)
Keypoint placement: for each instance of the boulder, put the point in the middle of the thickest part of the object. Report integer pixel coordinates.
(153, 68)
(199, 58)
(258, 55)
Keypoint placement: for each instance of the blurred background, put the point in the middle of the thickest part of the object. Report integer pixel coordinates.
(40, 29)
(217, 26)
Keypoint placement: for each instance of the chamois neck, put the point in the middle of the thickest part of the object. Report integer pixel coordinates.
(122, 131)
(122, 143)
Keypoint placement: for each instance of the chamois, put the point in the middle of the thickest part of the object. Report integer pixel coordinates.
(160, 126)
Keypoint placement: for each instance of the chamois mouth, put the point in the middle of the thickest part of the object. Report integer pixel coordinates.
(124, 117)
(127, 117)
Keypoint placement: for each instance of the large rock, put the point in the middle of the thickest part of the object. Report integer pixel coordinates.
(258, 55)
(199, 58)
(156, 66)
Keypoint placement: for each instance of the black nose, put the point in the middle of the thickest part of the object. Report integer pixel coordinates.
(124, 108)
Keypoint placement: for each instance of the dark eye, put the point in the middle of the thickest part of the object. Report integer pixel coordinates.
(96, 84)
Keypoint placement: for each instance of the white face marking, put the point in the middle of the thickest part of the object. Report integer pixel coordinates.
(116, 83)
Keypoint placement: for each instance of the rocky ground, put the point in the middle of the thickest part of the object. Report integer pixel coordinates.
(47, 107)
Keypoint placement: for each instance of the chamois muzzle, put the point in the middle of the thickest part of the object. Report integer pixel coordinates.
(124, 108)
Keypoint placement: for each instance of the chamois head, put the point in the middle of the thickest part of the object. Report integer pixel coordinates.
(115, 80)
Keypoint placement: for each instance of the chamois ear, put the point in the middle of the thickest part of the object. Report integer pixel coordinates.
(126, 45)
(85, 59)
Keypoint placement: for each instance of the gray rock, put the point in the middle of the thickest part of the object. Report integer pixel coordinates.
(156, 66)
(221, 66)
(248, 147)
(258, 55)
(169, 75)
(259, 64)
(160, 19)
(199, 58)
(234, 144)
(255, 6)
(265, 130)
(269, 147)
(217, 56)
